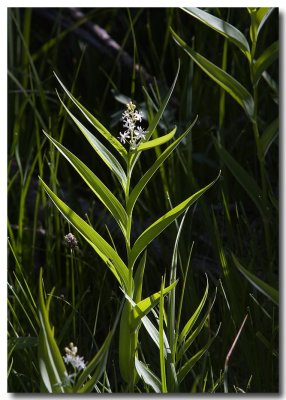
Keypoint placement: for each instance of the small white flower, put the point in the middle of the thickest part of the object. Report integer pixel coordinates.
(71, 358)
(140, 133)
(129, 124)
(138, 115)
(123, 136)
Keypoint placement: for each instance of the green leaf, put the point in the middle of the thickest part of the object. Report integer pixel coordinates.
(101, 129)
(188, 326)
(156, 119)
(161, 339)
(157, 142)
(52, 368)
(268, 137)
(263, 287)
(101, 150)
(103, 249)
(226, 81)
(265, 60)
(162, 223)
(243, 177)
(144, 306)
(258, 18)
(148, 376)
(150, 328)
(148, 175)
(186, 343)
(185, 369)
(222, 27)
(95, 184)
(138, 279)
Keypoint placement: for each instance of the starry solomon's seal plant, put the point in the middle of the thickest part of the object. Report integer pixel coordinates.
(129, 272)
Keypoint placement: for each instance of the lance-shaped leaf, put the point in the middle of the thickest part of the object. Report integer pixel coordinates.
(222, 27)
(258, 18)
(268, 137)
(144, 306)
(101, 129)
(158, 226)
(138, 279)
(95, 184)
(265, 60)
(103, 249)
(188, 326)
(51, 363)
(185, 369)
(150, 328)
(263, 287)
(188, 340)
(148, 175)
(240, 94)
(148, 376)
(101, 150)
(158, 141)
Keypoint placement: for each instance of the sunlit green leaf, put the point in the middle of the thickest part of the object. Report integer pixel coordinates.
(148, 175)
(138, 279)
(222, 27)
(153, 124)
(148, 376)
(158, 226)
(51, 363)
(95, 184)
(190, 323)
(157, 142)
(188, 340)
(101, 150)
(103, 249)
(226, 81)
(101, 129)
(265, 60)
(185, 369)
(144, 306)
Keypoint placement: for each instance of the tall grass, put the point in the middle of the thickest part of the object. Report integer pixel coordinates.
(223, 251)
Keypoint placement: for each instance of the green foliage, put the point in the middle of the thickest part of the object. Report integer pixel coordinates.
(190, 264)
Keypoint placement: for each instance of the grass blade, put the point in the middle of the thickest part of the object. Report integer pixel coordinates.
(243, 177)
(263, 287)
(161, 339)
(185, 369)
(52, 366)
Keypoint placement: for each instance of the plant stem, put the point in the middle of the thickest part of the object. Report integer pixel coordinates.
(73, 294)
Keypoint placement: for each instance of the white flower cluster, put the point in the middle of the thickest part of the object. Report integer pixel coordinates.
(71, 357)
(133, 134)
